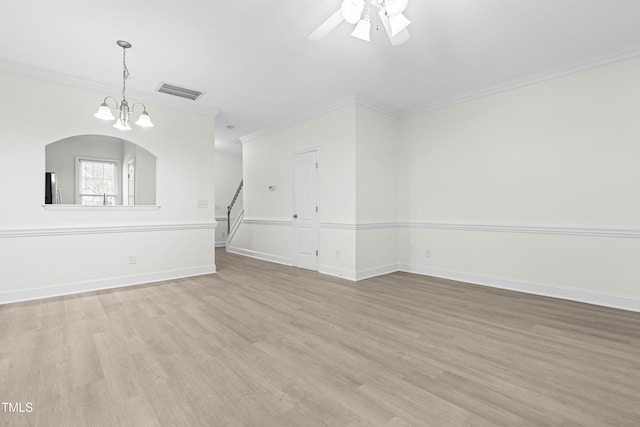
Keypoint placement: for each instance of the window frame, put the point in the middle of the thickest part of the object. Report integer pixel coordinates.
(117, 193)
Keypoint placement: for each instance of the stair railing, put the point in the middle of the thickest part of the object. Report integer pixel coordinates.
(230, 207)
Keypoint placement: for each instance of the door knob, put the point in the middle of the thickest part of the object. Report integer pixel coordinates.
(295, 216)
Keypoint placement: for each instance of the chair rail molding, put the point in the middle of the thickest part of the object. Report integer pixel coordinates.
(361, 225)
(631, 231)
(77, 229)
(268, 221)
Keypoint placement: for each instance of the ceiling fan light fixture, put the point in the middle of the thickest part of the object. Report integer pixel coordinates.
(396, 7)
(352, 10)
(361, 12)
(363, 29)
(397, 23)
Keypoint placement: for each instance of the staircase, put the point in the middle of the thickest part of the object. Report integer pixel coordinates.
(235, 214)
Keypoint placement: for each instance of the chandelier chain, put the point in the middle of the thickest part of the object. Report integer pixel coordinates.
(125, 73)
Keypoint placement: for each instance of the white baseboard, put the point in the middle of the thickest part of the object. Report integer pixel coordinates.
(100, 284)
(260, 255)
(605, 299)
(377, 271)
(573, 294)
(357, 275)
(337, 272)
(221, 244)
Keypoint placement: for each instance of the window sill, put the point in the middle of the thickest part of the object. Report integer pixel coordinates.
(52, 207)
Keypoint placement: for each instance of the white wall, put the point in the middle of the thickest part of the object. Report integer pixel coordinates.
(228, 174)
(268, 160)
(45, 252)
(532, 189)
(358, 182)
(515, 189)
(376, 192)
(145, 177)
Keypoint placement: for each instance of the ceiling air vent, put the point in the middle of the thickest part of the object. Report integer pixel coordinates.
(181, 92)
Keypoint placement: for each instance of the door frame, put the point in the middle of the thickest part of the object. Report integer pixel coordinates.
(315, 149)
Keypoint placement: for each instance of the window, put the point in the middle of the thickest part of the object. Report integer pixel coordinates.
(63, 158)
(97, 182)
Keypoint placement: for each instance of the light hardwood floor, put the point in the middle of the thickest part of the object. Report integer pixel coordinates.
(261, 344)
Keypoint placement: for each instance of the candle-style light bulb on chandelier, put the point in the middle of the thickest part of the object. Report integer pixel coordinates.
(124, 112)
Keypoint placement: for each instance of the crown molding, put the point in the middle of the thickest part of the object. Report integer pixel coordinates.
(342, 103)
(376, 106)
(603, 58)
(69, 80)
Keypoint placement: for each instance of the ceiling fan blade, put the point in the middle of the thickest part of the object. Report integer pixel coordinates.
(328, 25)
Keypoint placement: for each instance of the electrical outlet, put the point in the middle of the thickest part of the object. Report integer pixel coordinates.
(132, 259)
(338, 254)
(203, 204)
(427, 253)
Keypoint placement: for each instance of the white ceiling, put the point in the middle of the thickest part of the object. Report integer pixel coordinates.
(257, 67)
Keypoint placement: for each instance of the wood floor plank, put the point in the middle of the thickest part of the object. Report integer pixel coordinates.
(261, 344)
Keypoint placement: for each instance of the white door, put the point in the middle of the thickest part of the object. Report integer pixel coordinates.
(305, 208)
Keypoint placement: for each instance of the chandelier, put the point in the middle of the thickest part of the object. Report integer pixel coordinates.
(363, 13)
(124, 112)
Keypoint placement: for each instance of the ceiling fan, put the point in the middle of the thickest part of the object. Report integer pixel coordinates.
(362, 12)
